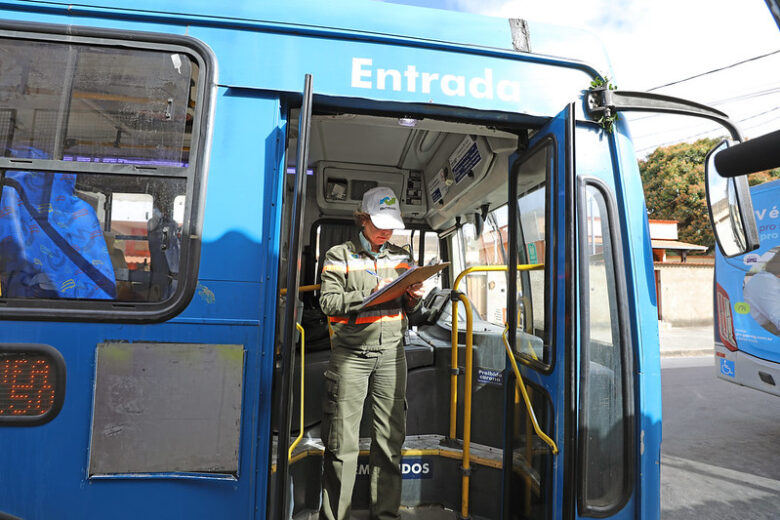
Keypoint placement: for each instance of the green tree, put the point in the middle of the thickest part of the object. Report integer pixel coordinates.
(673, 180)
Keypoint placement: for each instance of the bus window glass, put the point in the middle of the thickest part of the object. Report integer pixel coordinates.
(485, 289)
(60, 240)
(532, 295)
(431, 254)
(96, 104)
(97, 231)
(602, 391)
(406, 238)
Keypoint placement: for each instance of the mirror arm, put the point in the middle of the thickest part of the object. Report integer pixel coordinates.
(602, 101)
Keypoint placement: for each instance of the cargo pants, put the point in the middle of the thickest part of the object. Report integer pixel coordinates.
(352, 376)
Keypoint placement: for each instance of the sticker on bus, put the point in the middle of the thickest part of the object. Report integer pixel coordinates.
(490, 377)
(727, 367)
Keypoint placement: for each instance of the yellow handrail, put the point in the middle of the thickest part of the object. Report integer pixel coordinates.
(466, 409)
(303, 361)
(301, 289)
(467, 373)
(528, 406)
(492, 268)
(454, 351)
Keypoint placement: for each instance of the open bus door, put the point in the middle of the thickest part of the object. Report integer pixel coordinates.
(579, 378)
(279, 493)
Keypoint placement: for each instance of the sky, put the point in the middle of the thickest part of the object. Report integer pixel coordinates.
(652, 43)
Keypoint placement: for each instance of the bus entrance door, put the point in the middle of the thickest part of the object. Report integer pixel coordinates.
(571, 423)
(537, 301)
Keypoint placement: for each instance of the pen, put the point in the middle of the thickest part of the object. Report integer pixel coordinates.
(372, 273)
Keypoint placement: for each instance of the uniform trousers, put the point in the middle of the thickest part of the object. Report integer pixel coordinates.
(352, 376)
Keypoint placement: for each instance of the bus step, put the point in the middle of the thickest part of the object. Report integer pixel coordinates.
(432, 512)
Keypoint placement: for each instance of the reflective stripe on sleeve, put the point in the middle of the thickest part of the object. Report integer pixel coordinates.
(379, 316)
(339, 268)
(370, 317)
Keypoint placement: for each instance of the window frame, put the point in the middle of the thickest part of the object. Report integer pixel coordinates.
(550, 142)
(194, 175)
(584, 507)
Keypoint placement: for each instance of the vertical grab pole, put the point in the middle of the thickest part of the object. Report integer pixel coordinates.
(467, 410)
(454, 368)
(529, 452)
(303, 380)
(281, 496)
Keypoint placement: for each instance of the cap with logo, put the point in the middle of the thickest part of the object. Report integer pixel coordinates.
(383, 207)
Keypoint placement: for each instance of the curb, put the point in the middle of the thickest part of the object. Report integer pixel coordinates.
(691, 352)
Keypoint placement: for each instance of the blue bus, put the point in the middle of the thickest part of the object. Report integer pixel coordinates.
(172, 173)
(747, 302)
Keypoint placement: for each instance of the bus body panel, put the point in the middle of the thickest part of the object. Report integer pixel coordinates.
(237, 295)
(610, 158)
(644, 312)
(747, 299)
(234, 303)
(348, 67)
(366, 20)
(56, 485)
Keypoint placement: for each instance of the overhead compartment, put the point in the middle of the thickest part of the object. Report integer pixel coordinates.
(464, 173)
(340, 187)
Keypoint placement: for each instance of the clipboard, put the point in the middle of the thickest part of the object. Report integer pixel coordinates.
(397, 287)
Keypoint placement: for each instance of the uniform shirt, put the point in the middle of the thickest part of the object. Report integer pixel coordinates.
(346, 282)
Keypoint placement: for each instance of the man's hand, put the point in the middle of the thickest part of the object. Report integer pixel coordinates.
(382, 283)
(414, 292)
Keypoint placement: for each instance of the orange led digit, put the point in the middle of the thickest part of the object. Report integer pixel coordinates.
(32, 384)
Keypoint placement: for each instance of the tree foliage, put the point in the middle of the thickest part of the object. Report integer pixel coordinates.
(673, 180)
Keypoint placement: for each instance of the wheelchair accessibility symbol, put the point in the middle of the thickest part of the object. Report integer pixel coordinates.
(727, 367)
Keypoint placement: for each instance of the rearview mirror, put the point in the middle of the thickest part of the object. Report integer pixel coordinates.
(730, 208)
(479, 224)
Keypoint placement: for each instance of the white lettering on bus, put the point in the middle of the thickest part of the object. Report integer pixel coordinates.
(460, 85)
(358, 72)
(411, 78)
(480, 87)
(381, 76)
(416, 468)
(427, 79)
(487, 86)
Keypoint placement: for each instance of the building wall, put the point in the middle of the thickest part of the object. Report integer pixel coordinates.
(685, 294)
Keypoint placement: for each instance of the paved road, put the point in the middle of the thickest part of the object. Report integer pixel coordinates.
(720, 456)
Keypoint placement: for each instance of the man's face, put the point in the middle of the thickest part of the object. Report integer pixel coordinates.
(376, 236)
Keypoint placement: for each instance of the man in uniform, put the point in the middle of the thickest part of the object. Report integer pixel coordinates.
(367, 359)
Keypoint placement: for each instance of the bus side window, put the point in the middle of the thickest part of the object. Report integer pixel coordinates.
(605, 399)
(112, 229)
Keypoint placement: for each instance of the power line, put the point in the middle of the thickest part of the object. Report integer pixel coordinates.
(688, 138)
(749, 95)
(705, 122)
(754, 58)
(700, 134)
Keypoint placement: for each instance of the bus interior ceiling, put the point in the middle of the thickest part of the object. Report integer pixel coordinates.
(349, 154)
